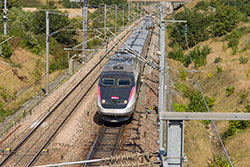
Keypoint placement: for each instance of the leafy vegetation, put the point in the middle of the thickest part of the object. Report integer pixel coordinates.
(219, 69)
(208, 19)
(198, 55)
(196, 102)
(243, 60)
(229, 90)
(236, 126)
(218, 161)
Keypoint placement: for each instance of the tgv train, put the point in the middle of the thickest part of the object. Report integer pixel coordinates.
(119, 82)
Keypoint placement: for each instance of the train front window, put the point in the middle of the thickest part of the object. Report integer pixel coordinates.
(124, 82)
(108, 82)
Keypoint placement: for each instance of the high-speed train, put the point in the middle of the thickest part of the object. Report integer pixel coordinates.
(119, 82)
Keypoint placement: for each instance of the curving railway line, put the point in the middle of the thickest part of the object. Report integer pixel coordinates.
(27, 149)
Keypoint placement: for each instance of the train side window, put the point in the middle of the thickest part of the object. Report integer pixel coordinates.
(108, 82)
(124, 82)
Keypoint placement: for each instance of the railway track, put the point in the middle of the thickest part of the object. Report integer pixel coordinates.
(27, 149)
(106, 144)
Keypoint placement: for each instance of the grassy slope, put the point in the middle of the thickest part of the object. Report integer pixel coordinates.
(198, 140)
(12, 83)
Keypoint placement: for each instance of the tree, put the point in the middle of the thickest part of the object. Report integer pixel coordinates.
(57, 22)
(225, 20)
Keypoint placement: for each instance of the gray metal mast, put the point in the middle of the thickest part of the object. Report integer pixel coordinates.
(123, 23)
(84, 27)
(137, 14)
(115, 19)
(162, 94)
(47, 52)
(5, 17)
(128, 11)
(105, 27)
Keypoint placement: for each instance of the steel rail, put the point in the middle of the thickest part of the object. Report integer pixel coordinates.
(62, 123)
(65, 97)
(99, 139)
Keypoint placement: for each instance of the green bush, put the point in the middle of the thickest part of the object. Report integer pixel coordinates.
(217, 60)
(219, 69)
(243, 97)
(180, 107)
(183, 74)
(197, 103)
(199, 57)
(218, 162)
(186, 90)
(197, 24)
(225, 20)
(243, 60)
(7, 50)
(177, 54)
(229, 90)
(236, 126)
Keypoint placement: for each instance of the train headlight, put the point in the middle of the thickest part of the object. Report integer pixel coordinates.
(125, 101)
(103, 101)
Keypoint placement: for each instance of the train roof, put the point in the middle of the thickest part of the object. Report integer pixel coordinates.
(122, 61)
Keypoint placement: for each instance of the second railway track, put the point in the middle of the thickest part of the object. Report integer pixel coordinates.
(26, 149)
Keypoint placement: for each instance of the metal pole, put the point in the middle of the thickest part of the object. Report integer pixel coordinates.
(105, 28)
(128, 11)
(123, 23)
(141, 9)
(47, 52)
(84, 27)
(115, 19)
(137, 4)
(162, 95)
(5, 17)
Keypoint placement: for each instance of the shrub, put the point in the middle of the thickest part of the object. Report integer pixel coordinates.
(7, 50)
(219, 69)
(177, 54)
(186, 90)
(199, 57)
(229, 90)
(243, 60)
(236, 126)
(197, 103)
(209, 75)
(183, 74)
(243, 96)
(217, 60)
(197, 24)
(180, 107)
(218, 162)
(225, 20)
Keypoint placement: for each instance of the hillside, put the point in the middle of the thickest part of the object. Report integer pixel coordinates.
(224, 76)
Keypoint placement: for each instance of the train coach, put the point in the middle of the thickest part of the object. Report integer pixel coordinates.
(119, 82)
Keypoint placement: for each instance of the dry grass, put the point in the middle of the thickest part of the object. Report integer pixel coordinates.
(239, 148)
(197, 145)
(12, 83)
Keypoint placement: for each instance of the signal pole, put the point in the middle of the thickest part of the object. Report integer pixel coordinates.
(47, 52)
(5, 17)
(84, 27)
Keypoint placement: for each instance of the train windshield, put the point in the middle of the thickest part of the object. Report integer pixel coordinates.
(108, 82)
(124, 82)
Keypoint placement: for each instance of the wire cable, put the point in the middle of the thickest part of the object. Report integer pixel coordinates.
(203, 97)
